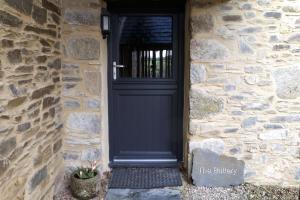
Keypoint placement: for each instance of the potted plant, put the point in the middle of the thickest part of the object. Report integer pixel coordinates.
(85, 182)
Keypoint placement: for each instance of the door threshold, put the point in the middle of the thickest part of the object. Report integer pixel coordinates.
(144, 163)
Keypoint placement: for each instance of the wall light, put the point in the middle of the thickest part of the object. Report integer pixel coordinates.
(105, 23)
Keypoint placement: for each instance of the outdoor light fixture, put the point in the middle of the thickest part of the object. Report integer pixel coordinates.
(105, 23)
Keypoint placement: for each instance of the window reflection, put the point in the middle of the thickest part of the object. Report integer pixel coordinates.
(145, 47)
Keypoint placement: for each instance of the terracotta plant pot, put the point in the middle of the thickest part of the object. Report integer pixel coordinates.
(85, 189)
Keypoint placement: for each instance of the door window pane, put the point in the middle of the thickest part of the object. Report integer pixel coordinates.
(145, 47)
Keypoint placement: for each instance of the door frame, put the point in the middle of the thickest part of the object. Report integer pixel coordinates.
(144, 10)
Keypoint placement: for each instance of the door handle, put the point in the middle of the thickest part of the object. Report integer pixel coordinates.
(115, 66)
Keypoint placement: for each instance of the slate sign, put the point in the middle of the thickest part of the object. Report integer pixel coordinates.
(213, 170)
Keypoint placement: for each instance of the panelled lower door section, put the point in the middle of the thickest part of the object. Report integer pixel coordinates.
(145, 125)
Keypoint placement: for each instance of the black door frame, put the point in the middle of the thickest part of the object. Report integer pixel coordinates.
(163, 9)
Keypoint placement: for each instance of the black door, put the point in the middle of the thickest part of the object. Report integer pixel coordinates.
(145, 83)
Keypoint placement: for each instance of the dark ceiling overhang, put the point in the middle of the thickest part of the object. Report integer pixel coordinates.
(145, 4)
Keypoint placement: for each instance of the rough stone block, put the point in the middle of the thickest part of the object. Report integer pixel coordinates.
(39, 15)
(273, 38)
(44, 42)
(14, 90)
(249, 122)
(280, 47)
(279, 134)
(215, 145)
(249, 15)
(254, 29)
(38, 30)
(278, 147)
(235, 150)
(85, 122)
(246, 6)
(198, 73)
(23, 6)
(297, 174)
(4, 164)
(204, 129)
(57, 146)
(71, 156)
(145, 194)
(51, 6)
(253, 69)
(295, 38)
(71, 104)
(202, 23)
(201, 3)
(92, 80)
(7, 43)
(83, 48)
(232, 18)
(91, 154)
(282, 119)
(49, 101)
(229, 88)
(287, 82)
(75, 3)
(82, 17)
(24, 69)
(71, 79)
(225, 7)
(41, 59)
(245, 47)
(273, 126)
(3, 129)
(213, 170)
(208, 50)
(275, 15)
(291, 9)
(38, 177)
(264, 2)
(249, 173)
(70, 66)
(42, 92)
(24, 127)
(93, 103)
(55, 18)
(14, 56)
(231, 130)
(16, 102)
(7, 146)
(255, 106)
(9, 20)
(52, 112)
(34, 105)
(202, 105)
(56, 64)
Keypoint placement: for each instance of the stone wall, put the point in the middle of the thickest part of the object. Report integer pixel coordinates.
(84, 84)
(244, 76)
(30, 127)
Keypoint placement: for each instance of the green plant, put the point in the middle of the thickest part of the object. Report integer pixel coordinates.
(87, 172)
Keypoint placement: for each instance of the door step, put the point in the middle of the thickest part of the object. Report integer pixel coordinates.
(144, 178)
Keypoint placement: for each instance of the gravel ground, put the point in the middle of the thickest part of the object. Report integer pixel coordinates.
(191, 192)
(242, 192)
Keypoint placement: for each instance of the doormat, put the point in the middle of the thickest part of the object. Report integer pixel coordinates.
(144, 178)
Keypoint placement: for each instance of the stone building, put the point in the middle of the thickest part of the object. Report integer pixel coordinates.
(237, 90)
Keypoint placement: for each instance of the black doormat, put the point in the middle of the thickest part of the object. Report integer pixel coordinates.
(144, 178)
